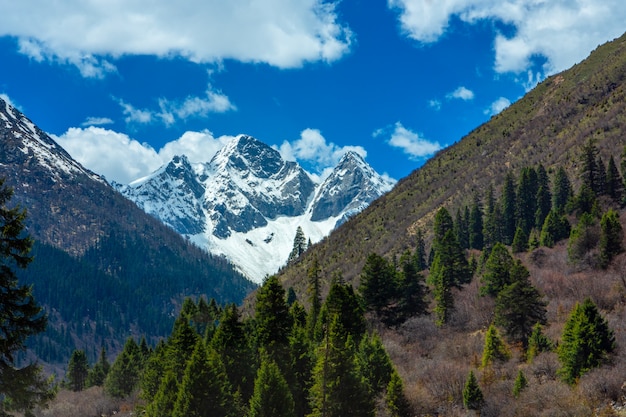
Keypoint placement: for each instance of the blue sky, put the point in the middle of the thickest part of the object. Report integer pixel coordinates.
(124, 86)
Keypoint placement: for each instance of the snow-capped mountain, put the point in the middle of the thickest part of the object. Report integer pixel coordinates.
(247, 202)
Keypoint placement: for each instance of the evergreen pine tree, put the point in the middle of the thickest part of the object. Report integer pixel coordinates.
(374, 363)
(563, 192)
(472, 394)
(520, 241)
(21, 316)
(124, 374)
(497, 271)
(519, 306)
(343, 304)
(583, 238)
(443, 224)
(495, 349)
(99, 372)
(378, 284)
(526, 195)
(441, 280)
(475, 225)
(271, 393)
(231, 343)
(411, 293)
(157, 366)
(315, 296)
(397, 403)
(204, 390)
(555, 228)
(614, 182)
(544, 197)
(77, 371)
(537, 343)
(589, 167)
(585, 343)
(611, 236)
(302, 362)
(508, 203)
(420, 255)
(600, 188)
(338, 389)
(299, 246)
(520, 384)
(165, 397)
(273, 319)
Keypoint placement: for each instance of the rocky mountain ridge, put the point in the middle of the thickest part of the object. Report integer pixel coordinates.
(247, 201)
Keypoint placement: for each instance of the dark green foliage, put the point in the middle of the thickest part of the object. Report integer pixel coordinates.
(231, 343)
(378, 284)
(100, 370)
(272, 314)
(302, 362)
(520, 384)
(585, 343)
(544, 197)
(441, 278)
(443, 224)
(344, 305)
(271, 393)
(299, 246)
(519, 306)
(419, 257)
(520, 241)
(164, 398)
(611, 236)
(374, 363)
(20, 315)
(583, 238)
(508, 202)
(614, 182)
(555, 228)
(410, 294)
(585, 201)
(526, 199)
(495, 349)
(589, 173)
(124, 374)
(339, 390)
(497, 273)
(472, 394)
(397, 403)
(315, 296)
(461, 227)
(601, 177)
(563, 192)
(77, 371)
(204, 390)
(538, 343)
(475, 225)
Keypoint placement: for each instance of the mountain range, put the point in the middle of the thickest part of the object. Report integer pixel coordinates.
(103, 268)
(247, 202)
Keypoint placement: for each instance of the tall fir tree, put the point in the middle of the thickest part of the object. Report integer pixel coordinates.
(77, 371)
(272, 396)
(420, 255)
(99, 372)
(299, 246)
(526, 203)
(544, 196)
(538, 343)
(475, 225)
(472, 395)
(273, 320)
(519, 306)
(339, 390)
(555, 228)
(397, 403)
(601, 177)
(497, 272)
(164, 399)
(589, 168)
(611, 237)
(374, 363)
(378, 284)
(495, 349)
(508, 202)
(614, 182)
(20, 316)
(315, 296)
(563, 192)
(585, 343)
(204, 390)
(520, 384)
(123, 377)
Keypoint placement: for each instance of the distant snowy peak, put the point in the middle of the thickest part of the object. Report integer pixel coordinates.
(36, 145)
(351, 187)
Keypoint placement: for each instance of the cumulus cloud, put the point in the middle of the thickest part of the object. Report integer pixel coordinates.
(91, 35)
(97, 121)
(123, 159)
(497, 106)
(563, 31)
(312, 149)
(461, 93)
(409, 142)
(171, 111)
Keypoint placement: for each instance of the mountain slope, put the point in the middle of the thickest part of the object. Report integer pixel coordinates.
(247, 202)
(103, 267)
(548, 125)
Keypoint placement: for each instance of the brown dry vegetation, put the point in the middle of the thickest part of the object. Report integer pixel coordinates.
(434, 362)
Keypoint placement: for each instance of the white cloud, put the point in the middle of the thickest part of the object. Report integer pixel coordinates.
(312, 149)
(408, 141)
(434, 104)
(563, 31)
(91, 35)
(171, 111)
(461, 93)
(97, 121)
(497, 106)
(122, 159)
